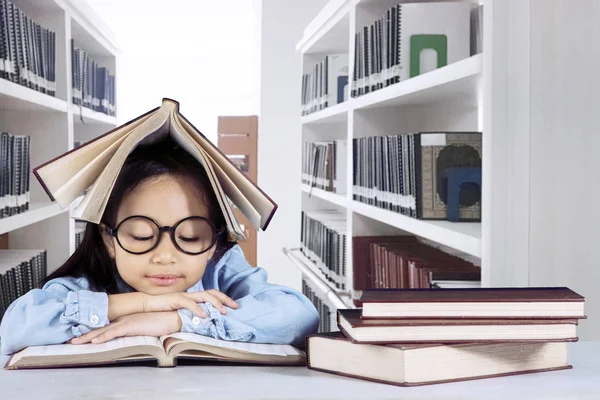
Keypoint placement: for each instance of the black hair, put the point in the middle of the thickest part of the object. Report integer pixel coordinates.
(91, 258)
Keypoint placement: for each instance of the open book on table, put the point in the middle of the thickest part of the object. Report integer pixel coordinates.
(95, 166)
(166, 350)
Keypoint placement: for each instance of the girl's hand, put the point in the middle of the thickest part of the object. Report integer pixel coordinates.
(188, 300)
(146, 324)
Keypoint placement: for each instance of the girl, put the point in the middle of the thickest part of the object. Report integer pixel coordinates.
(159, 262)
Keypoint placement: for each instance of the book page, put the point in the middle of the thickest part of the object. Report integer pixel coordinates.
(260, 202)
(185, 141)
(59, 172)
(256, 348)
(81, 349)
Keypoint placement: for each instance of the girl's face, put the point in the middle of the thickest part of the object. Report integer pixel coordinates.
(167, 200)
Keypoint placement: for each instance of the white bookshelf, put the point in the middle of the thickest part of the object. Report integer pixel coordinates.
(54, 123)
(445, 99)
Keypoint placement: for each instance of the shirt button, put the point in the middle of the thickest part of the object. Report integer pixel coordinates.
(94, 319)
(195, 320)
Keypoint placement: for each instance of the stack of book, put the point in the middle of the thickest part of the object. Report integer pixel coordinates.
(424, 336)
(15, 159)
(27, 50)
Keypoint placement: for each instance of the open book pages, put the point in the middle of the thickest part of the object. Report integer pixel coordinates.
(95, 167)
(408, 365)
(165, 350)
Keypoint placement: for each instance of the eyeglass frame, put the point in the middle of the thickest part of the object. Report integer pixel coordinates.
(114, 232)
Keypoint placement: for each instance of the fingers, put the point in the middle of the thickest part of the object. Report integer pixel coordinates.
(207, 297)
(228, 301)
(192, 305)
(90, 336)
(110, 333)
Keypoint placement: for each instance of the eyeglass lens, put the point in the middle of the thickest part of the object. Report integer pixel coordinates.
(139, 234)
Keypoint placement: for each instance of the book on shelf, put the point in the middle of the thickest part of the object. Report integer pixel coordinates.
(399, 262)
(325, 84)
(96, 164)
(425, 175)
(526, 303)
(15, 160)
(323, 241)
(20, 272)
(422, 364)
(409, 40)
(460, 329)
(324, 165)
(27, 50)
(93, 85)
(477, 29)
(165, 351)
(326, 312)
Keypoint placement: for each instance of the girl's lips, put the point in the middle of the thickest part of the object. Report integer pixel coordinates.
(164, 280)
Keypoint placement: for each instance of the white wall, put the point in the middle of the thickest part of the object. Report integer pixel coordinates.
(282, 24)
(200, 52)
(565, 187)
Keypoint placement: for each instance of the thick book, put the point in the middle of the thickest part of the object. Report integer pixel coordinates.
(411, 365)
(526, 302)
(165, 351)
(430, 330)
(96, 165)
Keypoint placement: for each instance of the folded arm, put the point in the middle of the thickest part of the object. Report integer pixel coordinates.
(59, 311)
(267, 313)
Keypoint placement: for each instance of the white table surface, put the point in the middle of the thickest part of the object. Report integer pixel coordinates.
(237, 382)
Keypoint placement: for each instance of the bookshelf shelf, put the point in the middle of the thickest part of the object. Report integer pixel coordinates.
(335, 297)
(457, 82)
(333, 198)
(329, 115)
(93, 117)
(329, 30)
(38, 211)
(462, 236)
(14, 97)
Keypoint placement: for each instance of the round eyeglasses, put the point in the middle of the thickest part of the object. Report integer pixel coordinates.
(139, 234)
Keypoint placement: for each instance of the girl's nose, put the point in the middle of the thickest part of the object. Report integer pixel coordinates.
(164, 253)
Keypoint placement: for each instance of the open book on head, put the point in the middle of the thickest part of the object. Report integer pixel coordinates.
(96, 166)
(166, 350)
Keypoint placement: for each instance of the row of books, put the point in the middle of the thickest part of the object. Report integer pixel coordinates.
(323, 241)
(79, 232)
(27, 50)
(477, 29)
(396, 262)
(429, 175)
(20, 272)
(93, 85)
(415, 337)
(325, 313)
(15, 159)
(324, 165)
(325, 83)
(388, 50)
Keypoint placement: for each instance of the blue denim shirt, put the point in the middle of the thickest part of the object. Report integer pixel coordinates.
(65, 308)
